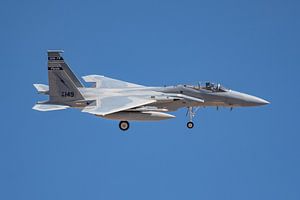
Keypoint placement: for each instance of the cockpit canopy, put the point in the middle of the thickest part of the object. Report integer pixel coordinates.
(211, 87)
(215, 87)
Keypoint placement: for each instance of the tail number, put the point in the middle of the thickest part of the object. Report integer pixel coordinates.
(67, 94)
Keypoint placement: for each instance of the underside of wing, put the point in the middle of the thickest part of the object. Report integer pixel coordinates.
(105, 82)
(113, 104)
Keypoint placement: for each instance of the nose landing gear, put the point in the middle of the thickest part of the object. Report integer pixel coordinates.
(191, 112)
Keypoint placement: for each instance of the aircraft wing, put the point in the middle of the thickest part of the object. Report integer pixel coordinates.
(105, 82)
(113, 104)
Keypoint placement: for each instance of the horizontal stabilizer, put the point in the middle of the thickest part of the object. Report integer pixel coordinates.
(48, 107)
(42, 88)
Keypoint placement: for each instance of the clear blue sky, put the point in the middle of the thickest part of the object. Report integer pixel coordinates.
(249, 153)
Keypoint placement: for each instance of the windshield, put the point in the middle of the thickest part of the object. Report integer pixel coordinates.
(214, 87)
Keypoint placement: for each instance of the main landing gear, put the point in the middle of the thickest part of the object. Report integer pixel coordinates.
(190, 125)
(191, 112)
(124, 125)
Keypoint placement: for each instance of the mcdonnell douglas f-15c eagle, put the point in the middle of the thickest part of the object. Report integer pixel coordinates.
(114, 99)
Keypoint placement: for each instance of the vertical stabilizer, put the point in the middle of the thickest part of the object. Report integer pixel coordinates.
(63, 84)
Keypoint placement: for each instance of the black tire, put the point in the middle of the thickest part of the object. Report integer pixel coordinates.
(124, 125)
(190, 125)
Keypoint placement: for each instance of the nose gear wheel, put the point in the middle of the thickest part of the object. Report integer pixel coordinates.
(191, 112)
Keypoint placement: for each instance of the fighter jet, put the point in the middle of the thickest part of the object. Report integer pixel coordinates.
(123, 101)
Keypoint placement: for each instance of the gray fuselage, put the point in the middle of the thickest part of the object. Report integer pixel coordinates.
(162, 95)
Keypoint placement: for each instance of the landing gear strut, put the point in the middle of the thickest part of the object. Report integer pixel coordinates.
(124, 125)
(191, 112)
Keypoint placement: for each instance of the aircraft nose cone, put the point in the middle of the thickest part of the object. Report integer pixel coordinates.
(243, 99)
(258, 101)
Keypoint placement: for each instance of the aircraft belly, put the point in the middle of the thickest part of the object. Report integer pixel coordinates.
(139, 116)
(175, 105)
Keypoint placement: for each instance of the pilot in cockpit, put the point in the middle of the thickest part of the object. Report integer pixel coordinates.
(209, 85)
(215, 88)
